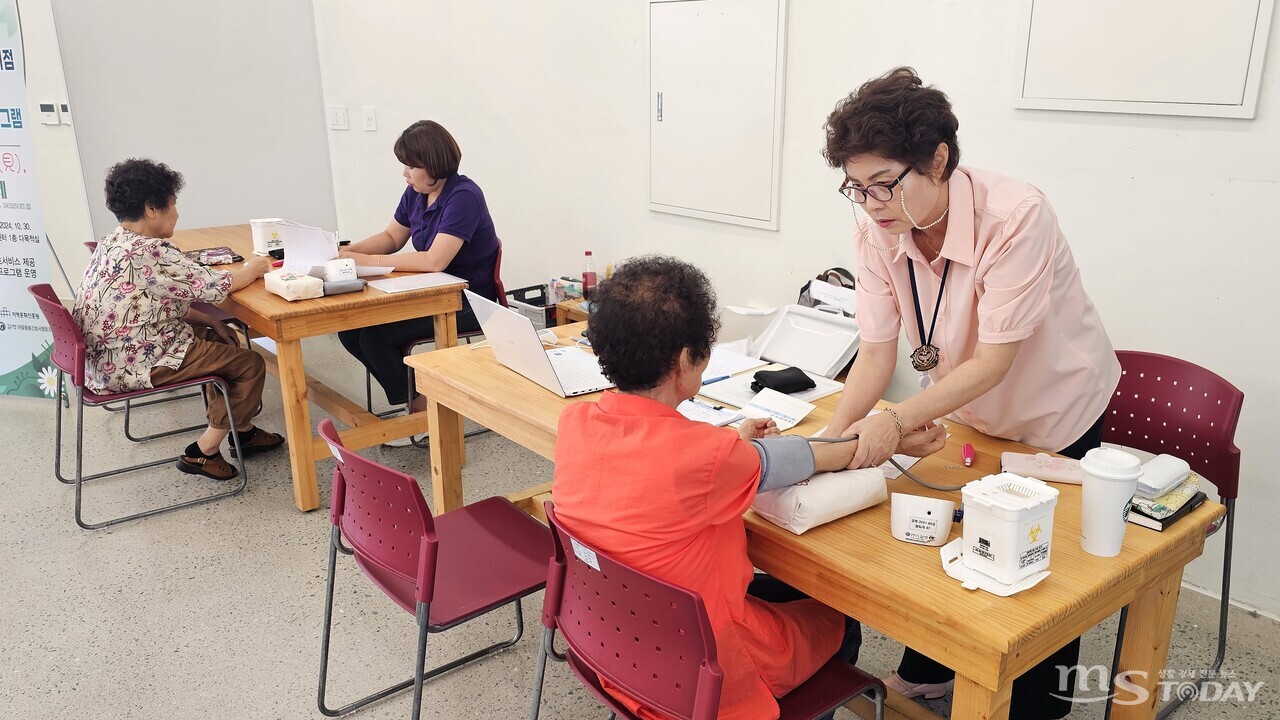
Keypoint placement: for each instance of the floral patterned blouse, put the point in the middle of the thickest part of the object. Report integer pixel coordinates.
(130, 307)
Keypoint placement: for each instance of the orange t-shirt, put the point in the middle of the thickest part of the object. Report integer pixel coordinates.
(666, 495)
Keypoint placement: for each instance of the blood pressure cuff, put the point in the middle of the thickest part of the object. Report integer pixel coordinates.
(790, 380)
(784, 461)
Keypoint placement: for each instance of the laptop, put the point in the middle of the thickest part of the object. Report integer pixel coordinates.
(565, 371)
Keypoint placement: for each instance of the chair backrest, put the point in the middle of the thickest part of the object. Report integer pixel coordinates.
(497, 276)
(92, 245)
(383, 516)
(648, 638)
(68, 341)
(1167, 405)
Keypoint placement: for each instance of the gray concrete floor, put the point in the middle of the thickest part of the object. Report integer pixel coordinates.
(216, 611)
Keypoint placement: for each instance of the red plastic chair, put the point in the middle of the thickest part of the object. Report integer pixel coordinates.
(653, 641)
(408, 349)
(1167, 405)
(68, 357)
(213, 310)
(444, 570)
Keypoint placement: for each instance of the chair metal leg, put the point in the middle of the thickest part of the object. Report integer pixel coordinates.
(129, 406)
(148, 403)
(546, 650)
(420, 675)
(80, 479)
(877, 697)
(1212, 672)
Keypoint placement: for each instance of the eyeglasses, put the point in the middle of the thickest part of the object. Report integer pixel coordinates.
(880, 191)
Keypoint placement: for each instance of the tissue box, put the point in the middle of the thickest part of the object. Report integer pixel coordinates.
(293, 286)
(1008, 526)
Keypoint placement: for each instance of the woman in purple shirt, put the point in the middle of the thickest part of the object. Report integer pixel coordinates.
(445, 216)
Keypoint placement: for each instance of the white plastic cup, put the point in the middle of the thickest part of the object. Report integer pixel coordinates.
(262, 240)
(1110, 479)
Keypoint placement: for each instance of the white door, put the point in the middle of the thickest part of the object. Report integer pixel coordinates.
(716, 77)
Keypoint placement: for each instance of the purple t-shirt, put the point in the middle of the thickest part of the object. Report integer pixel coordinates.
(460, 211)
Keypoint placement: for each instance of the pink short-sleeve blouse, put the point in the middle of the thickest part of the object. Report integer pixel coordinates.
(1012, 278)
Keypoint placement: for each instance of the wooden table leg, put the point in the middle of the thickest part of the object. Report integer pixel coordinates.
(972, 701)
(447, 337)
(297, 422)
(445, 426)
(1146, 648)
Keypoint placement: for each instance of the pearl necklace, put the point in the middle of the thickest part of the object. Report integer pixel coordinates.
(862, 233)
(902, 200)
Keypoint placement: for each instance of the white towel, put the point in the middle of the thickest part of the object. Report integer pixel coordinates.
(822, 498)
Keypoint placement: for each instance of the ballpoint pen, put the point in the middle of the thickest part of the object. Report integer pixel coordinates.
(967, 454)
(708, 381)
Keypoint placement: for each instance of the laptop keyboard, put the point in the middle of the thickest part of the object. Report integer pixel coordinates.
(577, 370)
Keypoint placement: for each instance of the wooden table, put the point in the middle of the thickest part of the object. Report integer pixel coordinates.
(854, 564)
(286, 323)
(570, 311)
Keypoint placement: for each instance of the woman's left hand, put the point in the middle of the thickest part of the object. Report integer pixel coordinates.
(221, 329)
(753, 428)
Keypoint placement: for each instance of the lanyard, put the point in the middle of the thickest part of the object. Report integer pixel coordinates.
(922, 364)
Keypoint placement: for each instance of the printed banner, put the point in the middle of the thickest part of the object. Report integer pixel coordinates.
(25, 341)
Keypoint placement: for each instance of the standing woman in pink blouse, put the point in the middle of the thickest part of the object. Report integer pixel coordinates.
(975, 268)
(134, 309)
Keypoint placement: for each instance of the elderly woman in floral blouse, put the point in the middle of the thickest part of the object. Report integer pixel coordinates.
(134, 308)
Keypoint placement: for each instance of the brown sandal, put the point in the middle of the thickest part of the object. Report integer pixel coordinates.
(211, 467)
(255, 441)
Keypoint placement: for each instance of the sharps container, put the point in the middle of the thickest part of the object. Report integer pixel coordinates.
(1008, 526)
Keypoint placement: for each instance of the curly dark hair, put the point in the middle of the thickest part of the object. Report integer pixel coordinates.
(134, 184)
(427, 145)
(896, 117)
(652, 308)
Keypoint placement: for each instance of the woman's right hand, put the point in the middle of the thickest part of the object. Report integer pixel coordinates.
(257, 266)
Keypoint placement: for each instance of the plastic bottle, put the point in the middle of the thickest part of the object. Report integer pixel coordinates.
(588, 278)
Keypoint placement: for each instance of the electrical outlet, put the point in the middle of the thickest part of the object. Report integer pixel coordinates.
(370, 118)
(337, 117)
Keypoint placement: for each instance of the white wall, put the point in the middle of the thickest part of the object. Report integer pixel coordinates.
(66, 211)
(1170, 218)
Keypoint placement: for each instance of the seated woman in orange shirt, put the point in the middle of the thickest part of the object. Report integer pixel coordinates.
(666, 495)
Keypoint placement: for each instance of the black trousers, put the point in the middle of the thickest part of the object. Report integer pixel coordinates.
(1034, 692)
(381, 349)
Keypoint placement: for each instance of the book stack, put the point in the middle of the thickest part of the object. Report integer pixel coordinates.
(1161, 512)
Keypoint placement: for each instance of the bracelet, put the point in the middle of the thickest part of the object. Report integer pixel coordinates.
(896, 421)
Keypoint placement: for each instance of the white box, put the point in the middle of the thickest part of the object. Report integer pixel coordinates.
(1008, 526)
(820, 342)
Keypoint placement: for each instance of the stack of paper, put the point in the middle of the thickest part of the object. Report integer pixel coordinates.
(306, 247)
(404, 283)
(712, 414)
(736, 391)
(785, 410)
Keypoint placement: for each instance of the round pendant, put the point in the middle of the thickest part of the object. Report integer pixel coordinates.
(924, 358)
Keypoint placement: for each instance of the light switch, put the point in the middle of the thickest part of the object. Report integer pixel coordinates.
(370, 118)
(338, 117)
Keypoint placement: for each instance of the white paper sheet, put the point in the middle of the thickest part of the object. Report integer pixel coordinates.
(828, 294)
(712, 414)
(361, 271)
(306, 247)
(405, 283)
(727, 362)
(785, 410)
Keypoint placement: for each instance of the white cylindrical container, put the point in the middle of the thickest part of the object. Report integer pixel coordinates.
(265, 235)
(1008, 526)
(1110, 479)
(339, 270)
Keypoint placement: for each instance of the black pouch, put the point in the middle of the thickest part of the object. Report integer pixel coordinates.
(791, 380)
